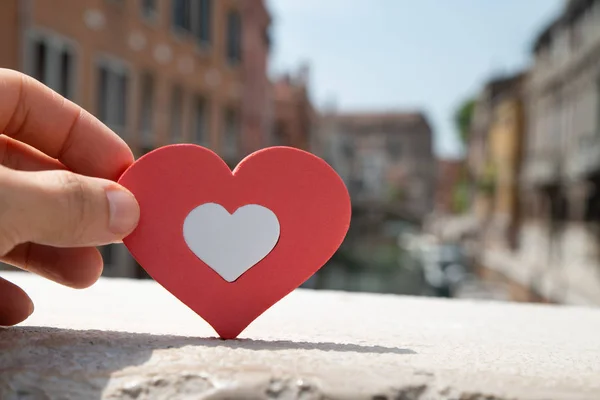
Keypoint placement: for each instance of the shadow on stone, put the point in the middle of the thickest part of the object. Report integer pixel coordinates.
(37, 361)
(251, 344)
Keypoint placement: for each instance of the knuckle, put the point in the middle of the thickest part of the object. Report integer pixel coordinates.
(76, 201)
(9, 154)
(9, 211)
(9, 238)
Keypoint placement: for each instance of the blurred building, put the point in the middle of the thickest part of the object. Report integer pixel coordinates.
(156, 72)
(506, 137)
(494, 138)
(556, 252)
(498, 133)
(294, 117)
(560, 236)
(257, 101)
(386, 159)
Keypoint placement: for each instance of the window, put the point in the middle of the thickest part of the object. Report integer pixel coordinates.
(40, 61)
(146, 111)
(395, 149)
(66, 71)
(234, 37)
(598, 106)
(112, 91)
(231, 135)
(182, 15)
(51, 60)
(149, 9)
(576, 33)
(347, 150)
(280, 134)
(176, 114)
(205, 13)
(193, 17)
(200, 121)
(372, 166)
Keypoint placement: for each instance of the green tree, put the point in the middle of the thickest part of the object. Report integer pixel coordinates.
(463, 118)
(460, 196)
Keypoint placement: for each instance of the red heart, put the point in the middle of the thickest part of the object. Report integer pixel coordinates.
(309, 199)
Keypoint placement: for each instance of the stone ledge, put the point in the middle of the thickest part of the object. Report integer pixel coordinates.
(125, 339)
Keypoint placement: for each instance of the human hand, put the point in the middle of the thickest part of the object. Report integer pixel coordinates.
(58, 198)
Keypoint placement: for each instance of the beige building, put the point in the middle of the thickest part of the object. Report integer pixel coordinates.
(506, 138)
(494, 158)
(494, 135)
(155, 71)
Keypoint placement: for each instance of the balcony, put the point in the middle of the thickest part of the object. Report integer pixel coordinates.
(585, 159)
(542, 168)
(549, 72)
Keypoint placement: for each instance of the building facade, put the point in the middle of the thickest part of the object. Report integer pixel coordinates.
(495, 131)
(294, 117)
(556, 256)
(387, 162)
(257, 102)
(562, 170)
(506, 137)
(497, 135)
(386, 159)
(156, 72)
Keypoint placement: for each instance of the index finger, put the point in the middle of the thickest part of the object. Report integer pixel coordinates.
(34, 114)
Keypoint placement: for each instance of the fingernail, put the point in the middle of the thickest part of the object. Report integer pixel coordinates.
(124, 211)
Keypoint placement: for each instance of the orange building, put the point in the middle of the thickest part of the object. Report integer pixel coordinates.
(155, 71)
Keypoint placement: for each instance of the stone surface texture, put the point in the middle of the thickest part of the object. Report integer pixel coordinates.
(125, 339)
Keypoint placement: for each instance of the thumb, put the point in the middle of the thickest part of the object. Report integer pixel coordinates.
(63, 209)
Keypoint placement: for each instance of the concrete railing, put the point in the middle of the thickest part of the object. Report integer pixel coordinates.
(125, 339)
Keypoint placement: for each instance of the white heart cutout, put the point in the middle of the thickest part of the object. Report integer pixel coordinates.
(231, 244)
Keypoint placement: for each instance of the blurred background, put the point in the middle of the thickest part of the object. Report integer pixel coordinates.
(467, 131)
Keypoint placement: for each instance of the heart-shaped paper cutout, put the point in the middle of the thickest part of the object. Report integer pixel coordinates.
(231, 243)
(309, 200)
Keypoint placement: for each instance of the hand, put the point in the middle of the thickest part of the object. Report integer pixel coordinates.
(58, 198)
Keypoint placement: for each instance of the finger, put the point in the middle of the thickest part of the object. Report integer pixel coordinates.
(17, 155)
(74, 267)
(15, 305)
(34, 114)
(62, 209)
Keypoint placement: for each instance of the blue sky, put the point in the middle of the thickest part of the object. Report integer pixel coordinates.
(406, 54)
